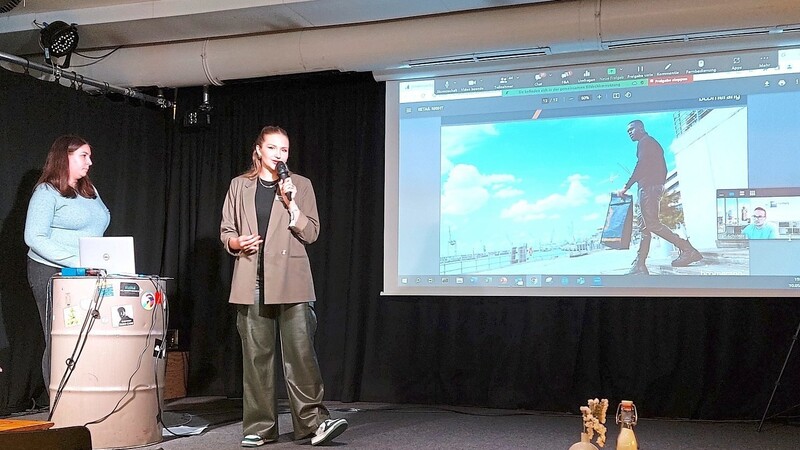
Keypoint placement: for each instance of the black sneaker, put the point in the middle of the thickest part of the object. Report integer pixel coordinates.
(687, 257)
(638, 269)
(328, 430)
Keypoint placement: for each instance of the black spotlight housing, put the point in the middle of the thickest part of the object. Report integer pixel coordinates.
(10, 4)
(59, 39)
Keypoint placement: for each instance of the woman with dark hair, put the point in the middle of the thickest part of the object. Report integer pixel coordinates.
(64, 206)
(268, 218)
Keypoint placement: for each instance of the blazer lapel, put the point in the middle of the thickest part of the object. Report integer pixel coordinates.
(278, 211)
(249, 206)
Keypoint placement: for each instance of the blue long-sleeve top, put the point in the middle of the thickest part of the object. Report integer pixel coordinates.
(54, 224)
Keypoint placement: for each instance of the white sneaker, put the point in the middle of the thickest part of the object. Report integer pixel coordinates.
(253, 440)
(328, 430)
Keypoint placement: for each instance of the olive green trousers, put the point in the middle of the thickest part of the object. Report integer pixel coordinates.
(262, 328)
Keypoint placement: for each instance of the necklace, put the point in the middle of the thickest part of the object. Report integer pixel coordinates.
(268, 184)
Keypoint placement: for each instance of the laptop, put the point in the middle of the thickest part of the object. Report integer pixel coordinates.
(114, 254)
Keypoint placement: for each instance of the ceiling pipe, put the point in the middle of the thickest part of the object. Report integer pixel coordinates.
(564, 29)
(348, 48)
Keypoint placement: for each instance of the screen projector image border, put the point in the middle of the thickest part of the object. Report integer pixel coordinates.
(499, 184)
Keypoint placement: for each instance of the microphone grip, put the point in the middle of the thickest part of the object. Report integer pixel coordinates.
(283, 174)
(287, 194)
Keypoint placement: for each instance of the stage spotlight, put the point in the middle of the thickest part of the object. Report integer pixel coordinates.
(58, 39)
(10, 4)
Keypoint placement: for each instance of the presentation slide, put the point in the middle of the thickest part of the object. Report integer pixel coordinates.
(661, 177)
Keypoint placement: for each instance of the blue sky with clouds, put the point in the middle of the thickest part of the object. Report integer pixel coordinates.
(538, 181)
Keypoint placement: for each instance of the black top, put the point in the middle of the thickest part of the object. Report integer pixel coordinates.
(265, 196)
(651, 168)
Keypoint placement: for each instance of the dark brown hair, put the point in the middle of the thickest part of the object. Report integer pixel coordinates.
(56, 168)
(255, 168)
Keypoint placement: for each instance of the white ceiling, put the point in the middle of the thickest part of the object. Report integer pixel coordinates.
(105, 24)
(173, 43)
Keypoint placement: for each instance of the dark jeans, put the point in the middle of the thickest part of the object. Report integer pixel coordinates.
(649, 207)
(39, 280)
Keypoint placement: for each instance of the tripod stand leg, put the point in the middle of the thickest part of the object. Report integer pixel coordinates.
(778, 381)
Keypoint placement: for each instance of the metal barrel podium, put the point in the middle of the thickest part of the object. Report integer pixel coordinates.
(107, 358)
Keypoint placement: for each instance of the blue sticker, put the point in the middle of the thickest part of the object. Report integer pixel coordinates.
(106, 290)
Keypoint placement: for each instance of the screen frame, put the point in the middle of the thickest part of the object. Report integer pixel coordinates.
(393, 286)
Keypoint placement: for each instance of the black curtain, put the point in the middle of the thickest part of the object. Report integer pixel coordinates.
(129, 172)
(335, 126)
(674, 357)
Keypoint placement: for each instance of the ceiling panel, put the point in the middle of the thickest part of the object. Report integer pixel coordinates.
(113, 23)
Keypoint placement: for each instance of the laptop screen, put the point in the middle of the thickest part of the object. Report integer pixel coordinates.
(114, 254)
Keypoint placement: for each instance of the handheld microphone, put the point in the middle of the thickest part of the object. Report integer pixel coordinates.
(283, 174)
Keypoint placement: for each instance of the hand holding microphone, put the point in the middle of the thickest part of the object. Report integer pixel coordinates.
(287, 188)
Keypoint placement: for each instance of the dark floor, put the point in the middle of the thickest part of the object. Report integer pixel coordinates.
(374, 425)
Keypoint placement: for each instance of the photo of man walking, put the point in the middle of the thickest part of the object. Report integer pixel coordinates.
(650, 174)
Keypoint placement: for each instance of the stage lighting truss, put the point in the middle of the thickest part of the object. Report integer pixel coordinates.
(10, 4)
(59, 39)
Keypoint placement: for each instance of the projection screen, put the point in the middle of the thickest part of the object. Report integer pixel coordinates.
(501, 183)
